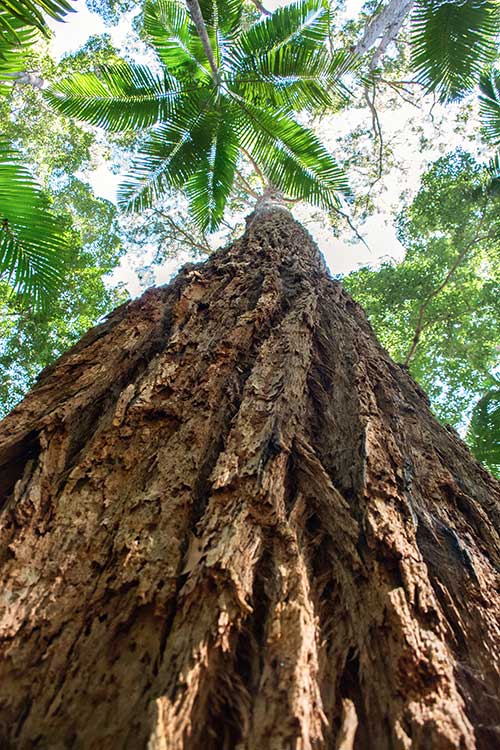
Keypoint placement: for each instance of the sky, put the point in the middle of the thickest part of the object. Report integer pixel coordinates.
(341, 255)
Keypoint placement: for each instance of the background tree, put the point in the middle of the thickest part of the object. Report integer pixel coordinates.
(436, 311)
(56, 148)
(33, 248)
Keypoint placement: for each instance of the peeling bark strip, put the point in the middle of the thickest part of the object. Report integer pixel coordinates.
(231, 522)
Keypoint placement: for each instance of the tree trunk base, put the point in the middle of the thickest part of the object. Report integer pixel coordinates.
(231, 522)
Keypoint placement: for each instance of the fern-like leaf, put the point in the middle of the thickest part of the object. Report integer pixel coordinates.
(30, 13)
(484, 431)
(33, 251)
(490, 105)
(294, 159)
(301, 24)
(168, 156)
(452, 42)
(119, 97)
(209, 187)
(296, 78)
(168, 27)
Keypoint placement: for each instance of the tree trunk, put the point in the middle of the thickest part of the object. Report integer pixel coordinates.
(231, 522)
(384, 27)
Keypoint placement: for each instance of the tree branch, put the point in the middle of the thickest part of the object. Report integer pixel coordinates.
(261, 8)
(377, 129)
(353, 227)
(197, 18)
(255, 166)
(203, 246)
(384, 25)
(247, 185)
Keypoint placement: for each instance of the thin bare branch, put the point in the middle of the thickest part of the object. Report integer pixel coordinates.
(377, 129)
(353, 227)
(255, 166)
(203, 246)
(247, 185)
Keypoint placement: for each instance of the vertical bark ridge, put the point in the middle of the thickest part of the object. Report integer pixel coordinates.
(230, 521)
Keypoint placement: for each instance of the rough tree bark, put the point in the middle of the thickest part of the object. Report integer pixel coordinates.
(231, 522)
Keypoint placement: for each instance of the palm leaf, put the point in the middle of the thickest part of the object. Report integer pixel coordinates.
(209, 187)
(120, 97)
(302, 24)
(490, 105)
(13, 53)
(292, 157)
(484, 431)
(168, 156)
(30, 13)
(452, 42)
(224, 16)
(296, 78)
(167, 25)
(33, 252)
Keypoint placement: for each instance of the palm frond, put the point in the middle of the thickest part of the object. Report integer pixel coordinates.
(13, 52)
(30, 13)
(452, 42)
(167, 25)
(222, 15)
(119, 97)
(292, 157)
(301, 24)
(168, 156)
(209, 187)
(296, 78)
(33, 251)
(490, 105)
(484, 430)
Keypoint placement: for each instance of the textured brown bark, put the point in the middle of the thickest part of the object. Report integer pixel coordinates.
(231, 522)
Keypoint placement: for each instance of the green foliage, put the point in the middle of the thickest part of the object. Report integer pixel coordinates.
(32, 242)
(201, 121)
(490, 105)
(13, 50)
(490, 119)
(452, 43)
(31, 340)
(56, 147)
(129, 97)
(484, 431)
(438, 310)
(30, 13)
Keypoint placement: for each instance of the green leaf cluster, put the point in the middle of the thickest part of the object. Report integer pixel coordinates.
(200, 121)
(484, 430)
(30, 339)
(438, 310)
(30, 13)
(33, 247)
(453, 42)
(56, 148)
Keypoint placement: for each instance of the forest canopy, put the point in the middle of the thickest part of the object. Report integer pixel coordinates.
(362, 116)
